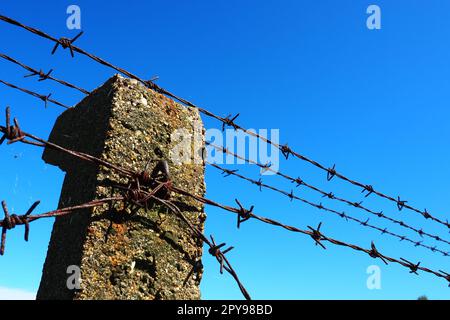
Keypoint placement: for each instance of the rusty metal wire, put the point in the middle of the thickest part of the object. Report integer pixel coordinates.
(42, 75)
(329, 195)
(242, 213)
(228, 121)
(287, 151)
(12, 220)
(343, 215)
(68, 43)
(134, 194)
(314, 233)
(214, 249)
(44, 98)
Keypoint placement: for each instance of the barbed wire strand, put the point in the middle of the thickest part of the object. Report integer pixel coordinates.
(214, 249)
(13, 133)
(36, 95)
(343, 215)
(329, 195)
(42, 75)
(227, 121)
(315, 233)
(12, 220)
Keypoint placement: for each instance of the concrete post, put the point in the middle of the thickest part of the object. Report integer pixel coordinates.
(144, 256)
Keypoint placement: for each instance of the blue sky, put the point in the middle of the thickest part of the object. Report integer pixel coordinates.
(375, 102)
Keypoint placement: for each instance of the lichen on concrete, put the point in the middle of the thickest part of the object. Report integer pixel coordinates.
(148, 255)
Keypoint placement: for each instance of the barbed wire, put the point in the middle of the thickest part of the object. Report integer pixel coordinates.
(343, 215)
(244, 214)
(13, 220)
(230, 121)
(329, 195)
(137, 196)
(45, 98)
(41, 74)
(214, 249)
(134, 194)
(227, 121)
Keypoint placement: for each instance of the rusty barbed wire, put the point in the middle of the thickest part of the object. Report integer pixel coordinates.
(214, 249)
(314, 233)
(331, 172)
(133, 194)
(329, 195)
(13, 220)
(36, 95)
(243, 213)
(68, 43)
(41, 74)
(343, 215)
(228, 121)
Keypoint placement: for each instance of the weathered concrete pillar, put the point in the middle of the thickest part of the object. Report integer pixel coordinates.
(122, 256)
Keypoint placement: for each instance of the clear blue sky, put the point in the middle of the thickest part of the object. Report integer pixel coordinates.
(376, 103)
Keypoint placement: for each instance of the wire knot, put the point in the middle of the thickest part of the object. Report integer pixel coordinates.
(243, 214)
(317, 236)
(369, 189)
(426, 215)
(45, 99)
(13, 220)
(259, 183)
(364, 223)
(298, 181)
(12, 133)
(331, 172)
(375, 254)
(356, 204)
(229, 121)
(228, 172)
(343, 216)
(151, 85)
(265, 167)
(329, 195)
(66, 43)
(286, 151)
(215, 251)
(42, 76)
(413, 267)
(400, 204)
(291, 195)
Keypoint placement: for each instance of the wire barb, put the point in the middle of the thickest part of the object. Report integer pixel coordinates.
(229, 121)
(286, 151)
(215, 251)
(243, 214)
(66, 43)
(412, 266)
(331, 173)
(375, 254)
(13, 220)
(317, 235)
(291, 196)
